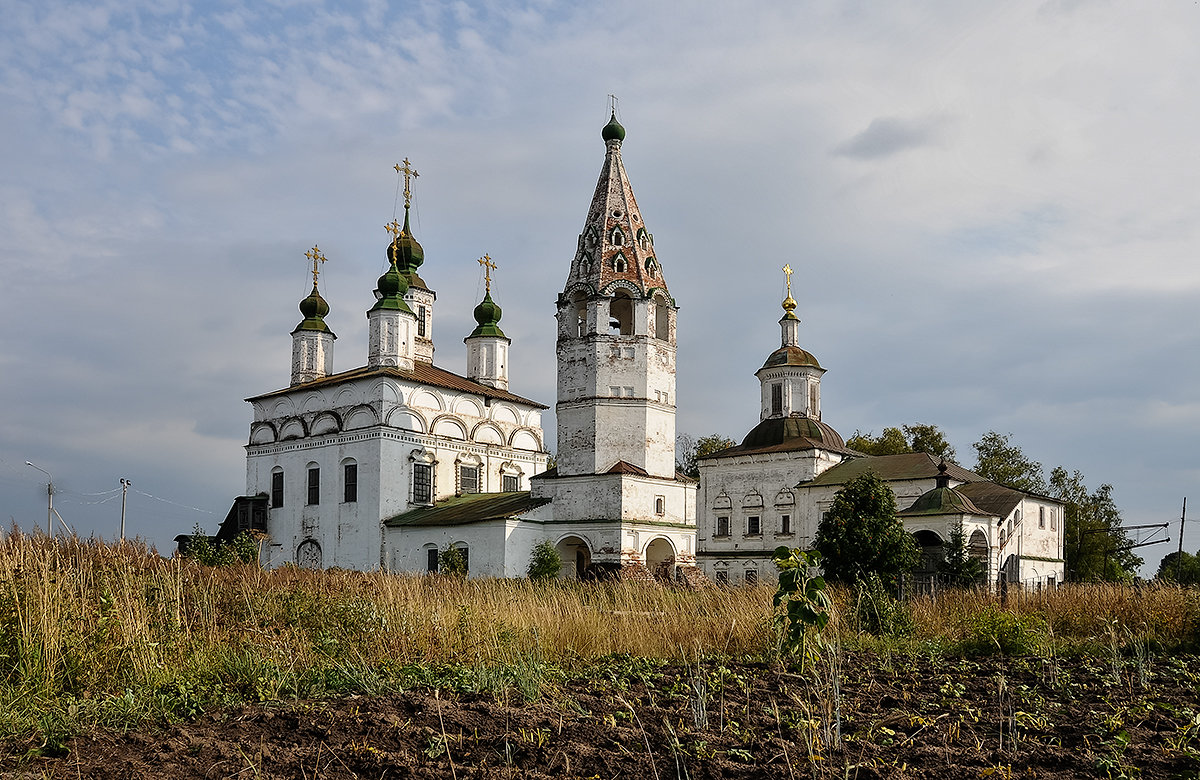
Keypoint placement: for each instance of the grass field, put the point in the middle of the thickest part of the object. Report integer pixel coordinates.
(94, 635)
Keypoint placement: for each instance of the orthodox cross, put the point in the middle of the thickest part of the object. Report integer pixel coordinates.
(612, 103)
(409, 174)
(787, 269)
(488, 267)
(394, 228)
(315, 255)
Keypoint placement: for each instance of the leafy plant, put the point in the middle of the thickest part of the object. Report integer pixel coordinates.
(802, 605)
(861, 535)
(452, 562)
(544, 562)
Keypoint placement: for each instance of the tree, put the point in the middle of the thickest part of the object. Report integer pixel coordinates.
(999, 460)
(860, 535)
(918, 437)
(688, 451)
(1181, 572)
(890, 442)
(1096, 547)
(544, 562)
(957, 567)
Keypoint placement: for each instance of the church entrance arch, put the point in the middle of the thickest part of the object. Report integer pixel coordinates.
(925, 573)
(660, 559)
(576, 558)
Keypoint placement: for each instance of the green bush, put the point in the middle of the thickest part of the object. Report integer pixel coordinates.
(544, 562)
(452, 562)
(993, 631)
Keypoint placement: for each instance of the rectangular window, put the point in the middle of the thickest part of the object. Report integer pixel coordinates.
(422, 484)
(1041, 517)
(314, 486)
(722, 577)
(785, 524)
(777, 399)
(468, 479)
(420, 320)
(751, 576)
(510, 483)
(277, 490)
(615, 392)
(350, 482)
(753, 526)
(629, 392)
(722, 526)
(432, 561)
(660, 505)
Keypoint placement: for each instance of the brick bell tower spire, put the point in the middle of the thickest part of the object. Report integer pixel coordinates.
(616, 337)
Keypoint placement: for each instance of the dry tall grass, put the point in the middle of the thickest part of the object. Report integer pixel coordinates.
(83, 621)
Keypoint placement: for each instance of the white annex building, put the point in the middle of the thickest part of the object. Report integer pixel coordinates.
(774, 488)
(387, 464)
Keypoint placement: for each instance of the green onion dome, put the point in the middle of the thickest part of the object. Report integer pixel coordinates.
(487, 314)
(390, 290)
(613, 131)
(405, 251)
(314, 308)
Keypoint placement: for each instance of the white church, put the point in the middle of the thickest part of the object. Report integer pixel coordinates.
(386, 465)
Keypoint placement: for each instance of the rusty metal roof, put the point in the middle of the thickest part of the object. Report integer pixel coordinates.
(786, 434)
(993, 498)
(469, 508)
(422, 373)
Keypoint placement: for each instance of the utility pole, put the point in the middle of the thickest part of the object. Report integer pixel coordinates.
(124, 490)
(49, 498)
(1179, 557)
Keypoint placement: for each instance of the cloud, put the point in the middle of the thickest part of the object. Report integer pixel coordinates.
(887, 136)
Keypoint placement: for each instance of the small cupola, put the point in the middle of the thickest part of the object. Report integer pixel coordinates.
(487, 346)
(312, 340)
(390, 323)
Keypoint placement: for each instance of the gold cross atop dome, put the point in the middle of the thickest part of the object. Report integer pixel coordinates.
(789, 303)
(410, 173)
(394, 227)
(488, 267)
(315, 255)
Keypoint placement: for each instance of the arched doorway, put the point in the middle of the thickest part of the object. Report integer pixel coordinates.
(576, 558)
(925, 573)
(660, 559)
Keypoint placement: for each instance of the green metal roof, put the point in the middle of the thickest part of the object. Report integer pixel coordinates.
(912, 465)
(942, 501)
(469, 508)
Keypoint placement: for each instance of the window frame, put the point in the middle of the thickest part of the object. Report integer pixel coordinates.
(422, 478)
(313, 495)
(277, 489)
(349, 483)
(721, 528)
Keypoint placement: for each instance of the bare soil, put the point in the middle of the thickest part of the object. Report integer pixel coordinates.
(901, 716)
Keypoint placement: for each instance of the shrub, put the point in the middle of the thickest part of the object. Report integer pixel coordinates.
(452, 562)
(992, 631)
(544, 562)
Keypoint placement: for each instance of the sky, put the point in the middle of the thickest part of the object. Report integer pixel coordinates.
(991, 210)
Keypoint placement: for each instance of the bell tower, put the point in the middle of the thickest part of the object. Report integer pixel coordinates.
(616, 338)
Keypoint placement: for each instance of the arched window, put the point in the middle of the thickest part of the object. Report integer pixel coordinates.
(618, 263)
(276, 487)
(349, 481)
(620, 310)
(314, 485)
(618, 238)
(662, 319)
(580, 301)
